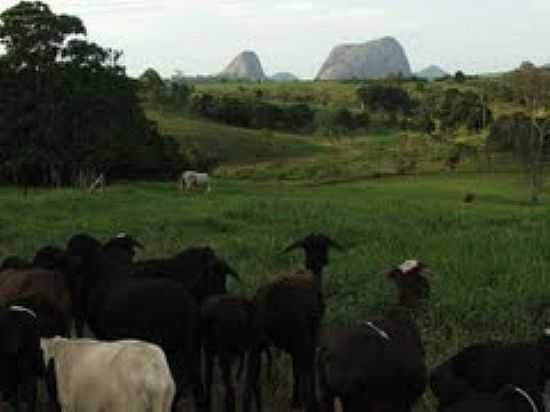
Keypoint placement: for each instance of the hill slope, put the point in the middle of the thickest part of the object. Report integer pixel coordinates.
(231, 144)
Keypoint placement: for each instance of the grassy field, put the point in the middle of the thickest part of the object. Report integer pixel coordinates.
(267, 155)
(490, 257)
(234, 146)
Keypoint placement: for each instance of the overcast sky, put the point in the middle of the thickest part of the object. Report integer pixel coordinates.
(202, 36)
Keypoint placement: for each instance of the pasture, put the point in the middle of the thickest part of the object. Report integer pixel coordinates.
(490, 257)
(400, 172)
(230, 144)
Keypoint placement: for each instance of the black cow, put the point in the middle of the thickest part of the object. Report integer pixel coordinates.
(21, 360)
(197, 268)
(118, 303)
(509, 399)
(488, 368)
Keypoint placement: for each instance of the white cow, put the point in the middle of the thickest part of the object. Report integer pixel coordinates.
(192, 179)
(119, 376)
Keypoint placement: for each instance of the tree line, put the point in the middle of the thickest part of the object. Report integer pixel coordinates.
(526, 132)
(384, 102)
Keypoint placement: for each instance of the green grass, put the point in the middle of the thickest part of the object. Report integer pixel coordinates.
(267, 155)
(490, 258)
(231, 144)
(264, 155)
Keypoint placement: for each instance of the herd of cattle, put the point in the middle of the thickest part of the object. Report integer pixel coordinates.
(160, 325)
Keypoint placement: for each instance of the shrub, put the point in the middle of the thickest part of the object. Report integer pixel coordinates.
(458, 108)
(386, 98)
(341, 121)
(299, 117)
(198, 160)
(253, 113)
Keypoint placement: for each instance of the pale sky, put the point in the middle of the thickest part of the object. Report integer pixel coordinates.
(202, 36)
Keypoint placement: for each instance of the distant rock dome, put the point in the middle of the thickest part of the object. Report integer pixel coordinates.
(375, 59)
(284, 77)
(432, 73)
(246, 66)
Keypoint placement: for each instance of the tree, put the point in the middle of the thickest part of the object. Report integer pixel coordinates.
(514, 133)
(299, 116)
(266, 116)
(34, 37)
(486, 88)
(508, 133)
(463, 108)
(387, 98)
(460, 77)
(152, 86)
(178, 91)
(341, 121)
(531, 87)
(68, 111)
(453, 110)
(202, 104)
(423, 120)
(232, 111)
(172, 94)
(179, 78)
(258, 93)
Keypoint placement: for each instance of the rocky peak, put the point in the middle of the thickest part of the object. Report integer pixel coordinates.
(371, 60)
(246, 66)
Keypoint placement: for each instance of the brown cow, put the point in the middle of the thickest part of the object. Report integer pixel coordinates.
(44, 291)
